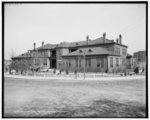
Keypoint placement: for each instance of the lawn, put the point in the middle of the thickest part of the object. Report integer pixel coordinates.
(71, 98)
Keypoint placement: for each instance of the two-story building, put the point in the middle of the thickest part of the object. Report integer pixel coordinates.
(96, 55)
(100, 55)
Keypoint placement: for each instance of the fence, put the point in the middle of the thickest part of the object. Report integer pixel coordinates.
(78, 75)
(72, 75)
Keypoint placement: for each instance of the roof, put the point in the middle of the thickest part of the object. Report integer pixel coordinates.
(47, 46)
(78, 43)
(140, 52)
(81, 43)
(24, 55)
(30, 55)
(90, 51)
(96, 42)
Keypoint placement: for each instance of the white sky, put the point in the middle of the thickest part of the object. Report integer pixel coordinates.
(55, 23)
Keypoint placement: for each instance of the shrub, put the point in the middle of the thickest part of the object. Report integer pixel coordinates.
(54, 71)
(136, 70)
(67, 72)
(60, 71)
(75, 72)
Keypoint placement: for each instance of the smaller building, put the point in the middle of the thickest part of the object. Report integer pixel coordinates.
(141, 58)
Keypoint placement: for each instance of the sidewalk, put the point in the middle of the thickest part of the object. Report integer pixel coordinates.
(73, 78)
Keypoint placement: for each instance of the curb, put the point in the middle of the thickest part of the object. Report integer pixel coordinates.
(69, 78)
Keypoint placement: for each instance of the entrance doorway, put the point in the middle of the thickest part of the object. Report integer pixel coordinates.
(53, 63)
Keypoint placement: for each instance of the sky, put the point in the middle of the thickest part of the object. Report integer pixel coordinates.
(25, 24)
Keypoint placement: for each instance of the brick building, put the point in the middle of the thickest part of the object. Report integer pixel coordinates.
(141, 58)
(96, 55)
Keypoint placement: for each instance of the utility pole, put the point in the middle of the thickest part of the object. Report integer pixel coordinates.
(84, 65)
(78, 63)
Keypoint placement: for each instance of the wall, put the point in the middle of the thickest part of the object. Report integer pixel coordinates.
(41, 53)
(131, 63)
(108, 47)
(59, 53)
(41, 60)
(140, 56)
(92, 68)
(65, 51)
(114, 63)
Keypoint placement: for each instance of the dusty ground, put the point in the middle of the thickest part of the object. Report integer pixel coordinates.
(59, 98)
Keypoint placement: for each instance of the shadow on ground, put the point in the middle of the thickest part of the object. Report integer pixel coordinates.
(98, 109)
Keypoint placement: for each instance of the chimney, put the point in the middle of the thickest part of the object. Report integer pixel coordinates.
(87, 39)
(104, 37)
(34, 45)
(42, 44)
(120, 38)
(117, 40)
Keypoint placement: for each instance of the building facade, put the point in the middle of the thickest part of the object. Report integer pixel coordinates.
(141, 58)
(99, 55)
(131, 62)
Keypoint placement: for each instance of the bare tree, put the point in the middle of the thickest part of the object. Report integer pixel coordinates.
(12, 54)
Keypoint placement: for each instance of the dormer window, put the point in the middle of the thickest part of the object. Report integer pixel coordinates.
(89, 50)
(80, 51)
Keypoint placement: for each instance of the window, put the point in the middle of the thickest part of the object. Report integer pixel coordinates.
(111, 62)
(76, 62)
(45, 61)
(132, 61)
(86, 62)
(89, 62)
(69, 63)
(117, 62)
(117, 50)
(124, 51)
(80, 51)
(37, 61)
(79, 62)
(100, 62)
(123, 61)
(90, 50)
